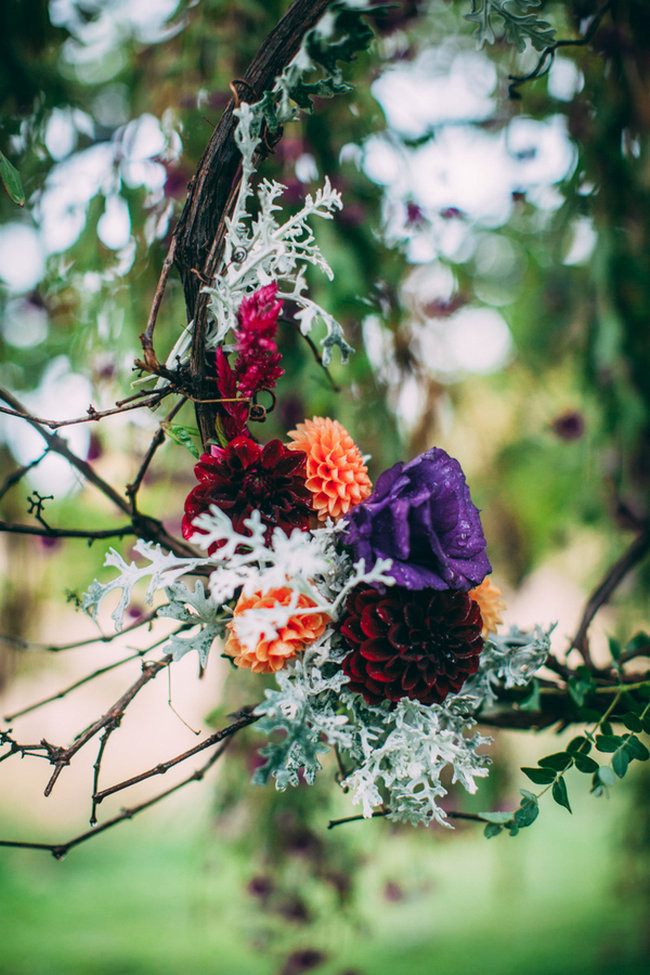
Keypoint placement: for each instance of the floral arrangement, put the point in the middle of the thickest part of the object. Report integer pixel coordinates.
(371, 605)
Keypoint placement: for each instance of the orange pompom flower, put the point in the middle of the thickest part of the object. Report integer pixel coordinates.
(297, 633)
(336, 475)
(489, 600)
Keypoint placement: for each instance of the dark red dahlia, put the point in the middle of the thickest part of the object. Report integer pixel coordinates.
(244, 477)
(422, 644)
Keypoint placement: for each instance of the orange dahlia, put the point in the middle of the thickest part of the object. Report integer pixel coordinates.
(336, 475)
(490, 603)
(271, 655)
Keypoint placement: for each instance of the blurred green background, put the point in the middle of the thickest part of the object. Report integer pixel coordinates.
(491, 269)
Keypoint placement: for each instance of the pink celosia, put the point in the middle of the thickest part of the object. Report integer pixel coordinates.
(258, 364)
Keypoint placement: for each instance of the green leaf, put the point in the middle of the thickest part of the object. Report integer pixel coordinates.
(12, 181)
(533, 700)
(581, 685)
(184, 437)
(496, 817)
(540, 776)
(632, 721)
(636, 749)
(579, 744)
(492, 829)
(558, 761)
(526, 814)
(640, 641)
(559, 793)
(620, 762)
(608, 743)
(614, 648)
(585, 764)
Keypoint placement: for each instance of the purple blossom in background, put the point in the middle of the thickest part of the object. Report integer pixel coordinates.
(421, 516)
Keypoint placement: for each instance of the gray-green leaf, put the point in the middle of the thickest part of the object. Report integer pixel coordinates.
(12, 181)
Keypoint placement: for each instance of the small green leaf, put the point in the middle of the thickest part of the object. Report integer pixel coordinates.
(606, 728)
(559, 793)
(614, 648)
(496, 817)
(533, 700)
(558, 761)
(636, 749)
(608, 743)
(579, 744)
(640, 641)
(589, 714)
(184, 437)
(632, 721)
(492, 829)
(540, 776)
(526, 814)
(12, 181)
(585, 764)
(644, 691)
(620, 762)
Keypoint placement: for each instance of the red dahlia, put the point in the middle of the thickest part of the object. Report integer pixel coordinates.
(422, 644)
(244, 477)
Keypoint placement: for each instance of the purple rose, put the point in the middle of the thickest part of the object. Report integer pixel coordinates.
(421, 516)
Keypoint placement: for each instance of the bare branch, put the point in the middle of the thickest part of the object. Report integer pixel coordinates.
(158, 439)
(145, 526)
(634, 554)
(99, 672)
(59, 850)
(91, 415)
(114, 714)
(146, 338)
(47, 532)
(242, 722)
(31, 645)
(18, 474)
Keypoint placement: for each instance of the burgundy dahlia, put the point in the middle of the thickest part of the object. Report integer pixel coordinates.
(420, 644)
(244, 477)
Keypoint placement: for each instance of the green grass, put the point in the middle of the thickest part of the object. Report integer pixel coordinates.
(154, 898)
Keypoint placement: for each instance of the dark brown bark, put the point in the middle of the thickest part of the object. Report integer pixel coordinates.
(198, 238)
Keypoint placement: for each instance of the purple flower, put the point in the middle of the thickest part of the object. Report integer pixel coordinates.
(421, 516)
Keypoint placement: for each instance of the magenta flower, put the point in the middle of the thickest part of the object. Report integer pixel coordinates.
(258, 364)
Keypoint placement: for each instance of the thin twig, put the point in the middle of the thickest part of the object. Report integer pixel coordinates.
(547, 56)
(145, 526)
(59, 850)
(603, 591)
(317, 356)
(114, 713)
(91, 415)
(32, 645)
(162, 767)
(78, 683)
(46, 532)
(18, 474)
(146, 338)
(159, 437)
(381, 813)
